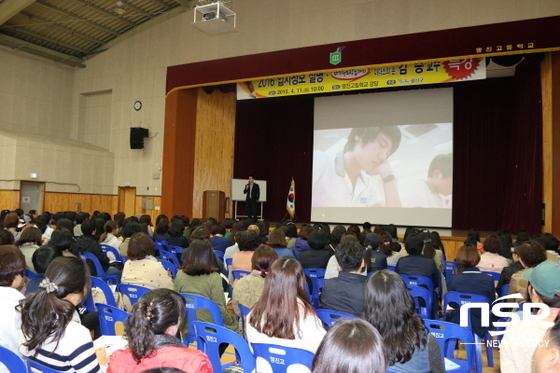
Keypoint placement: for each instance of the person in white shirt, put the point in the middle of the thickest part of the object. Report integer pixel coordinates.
(345, 180)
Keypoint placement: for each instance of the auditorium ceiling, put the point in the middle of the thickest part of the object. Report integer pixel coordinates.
(72, 31)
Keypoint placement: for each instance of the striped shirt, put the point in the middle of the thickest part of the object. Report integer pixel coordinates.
(74, 353)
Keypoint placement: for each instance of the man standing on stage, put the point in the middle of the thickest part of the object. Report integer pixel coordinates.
(253, 194)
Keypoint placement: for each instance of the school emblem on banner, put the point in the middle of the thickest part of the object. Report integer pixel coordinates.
(336, 57)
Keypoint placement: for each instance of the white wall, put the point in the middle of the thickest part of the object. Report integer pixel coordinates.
(41, 96)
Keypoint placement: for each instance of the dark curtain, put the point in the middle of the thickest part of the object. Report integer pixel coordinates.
(497, 151)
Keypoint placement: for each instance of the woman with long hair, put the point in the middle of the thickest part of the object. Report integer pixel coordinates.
(162, 227)
(50, 324)
(12, 267)
(151, 333)
(389, 307)
(248, 289)
(283, 315)
(108, 236)
(351, 346)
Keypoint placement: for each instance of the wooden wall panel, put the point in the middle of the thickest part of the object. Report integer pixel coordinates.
(9, 199)
(214, 145)
(452, 245)
(54, 202)
(152, 213)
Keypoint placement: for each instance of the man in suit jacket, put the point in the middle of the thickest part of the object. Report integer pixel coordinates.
(252, 194)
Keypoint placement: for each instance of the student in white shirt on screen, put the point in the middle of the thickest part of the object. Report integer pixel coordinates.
(345, 179)
(436, 190)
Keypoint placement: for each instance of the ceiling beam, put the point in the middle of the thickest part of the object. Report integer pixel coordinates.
(106, 12)
(65, 12)
(46, 22)
(10, 8)
(40, 51)
(185, 3)
(43, 37)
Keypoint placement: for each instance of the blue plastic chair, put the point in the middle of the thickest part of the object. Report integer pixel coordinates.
(244, 312)
(219, 254)
(229, 262)
(170, 257)
(85, 256)
(329, 317)
(449, 267)
(422, 301)
(170, 267)
(504, 290)
(107, 248)
(109, 316)
(161, 241)
(160, 247)
(193, 304)
(423, 281)
(392, 268)
(495, 275)
(458, 299)
(447, 335)
(239, 274)
(280, 358)
(211, 336)
(29, 273)
(314, 274)
(177, 250)
(12, 361)
(34, 366)
(97, 282)
(132, 292)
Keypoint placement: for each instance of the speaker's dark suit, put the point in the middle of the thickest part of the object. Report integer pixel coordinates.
(252, 196)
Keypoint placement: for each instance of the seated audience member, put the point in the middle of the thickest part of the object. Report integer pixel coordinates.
(141, 268)
(332, 266)
(389, 307)
(88, 244)
(351, 346)
(490, 259)
(550, 243)
(336, 235)
(520, 340)
(345, 293)
(219, 242)
(393, 259)
(64, 223)
(277, 240)
(248, 241)
(263, 231)
(51, 329)
(469, 279)
(200, 276)
(6, 238)
(162, 227)
(374, 259)
(522, 236)
(319, 251)
(507, 272)
(386, 248)
(530, 254)
(203, 233)
(127, 231)
(283, 315)
(108, 236)
(63, 241)
(547, 354)
(195, 223)
(29, 240)
(151, 333)
(301, 242)
(10, 224)
(175, 234)
(430, 250)
(12, 267)
(248, 289)
(42, 257)
(79, 220)
(147, 220)
(291, 232)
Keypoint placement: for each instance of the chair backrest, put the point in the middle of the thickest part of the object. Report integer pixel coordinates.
(237, 274)
(170, 257)
(219, 254)
(12, 361)
(170, 267)
(314, 274)
(132, 292)
(229, 261)
(421, 297)
(210, 336)
(320, 282)
(280, 358)
(456, 299)
(244, 312)
(195, 302)
(97, 282)
(495, 275)
(392, 268)
(108, 317)
(160, 247)
(29, 273)
(329, 317)
(107, 248)
(423, 281)
(449, 267)
(448, 335)
(175, 249)
(504, 290)
(84, 255)
(161, 241)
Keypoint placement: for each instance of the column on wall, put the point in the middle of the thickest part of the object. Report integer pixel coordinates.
(198, 148)
(550, 79)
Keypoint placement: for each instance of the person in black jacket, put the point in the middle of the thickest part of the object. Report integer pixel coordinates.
(320, 252)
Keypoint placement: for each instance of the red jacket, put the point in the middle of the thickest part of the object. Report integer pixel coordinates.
(189, 361)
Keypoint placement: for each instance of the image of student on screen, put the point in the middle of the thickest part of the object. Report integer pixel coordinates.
(436, 191)
(345, 179)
